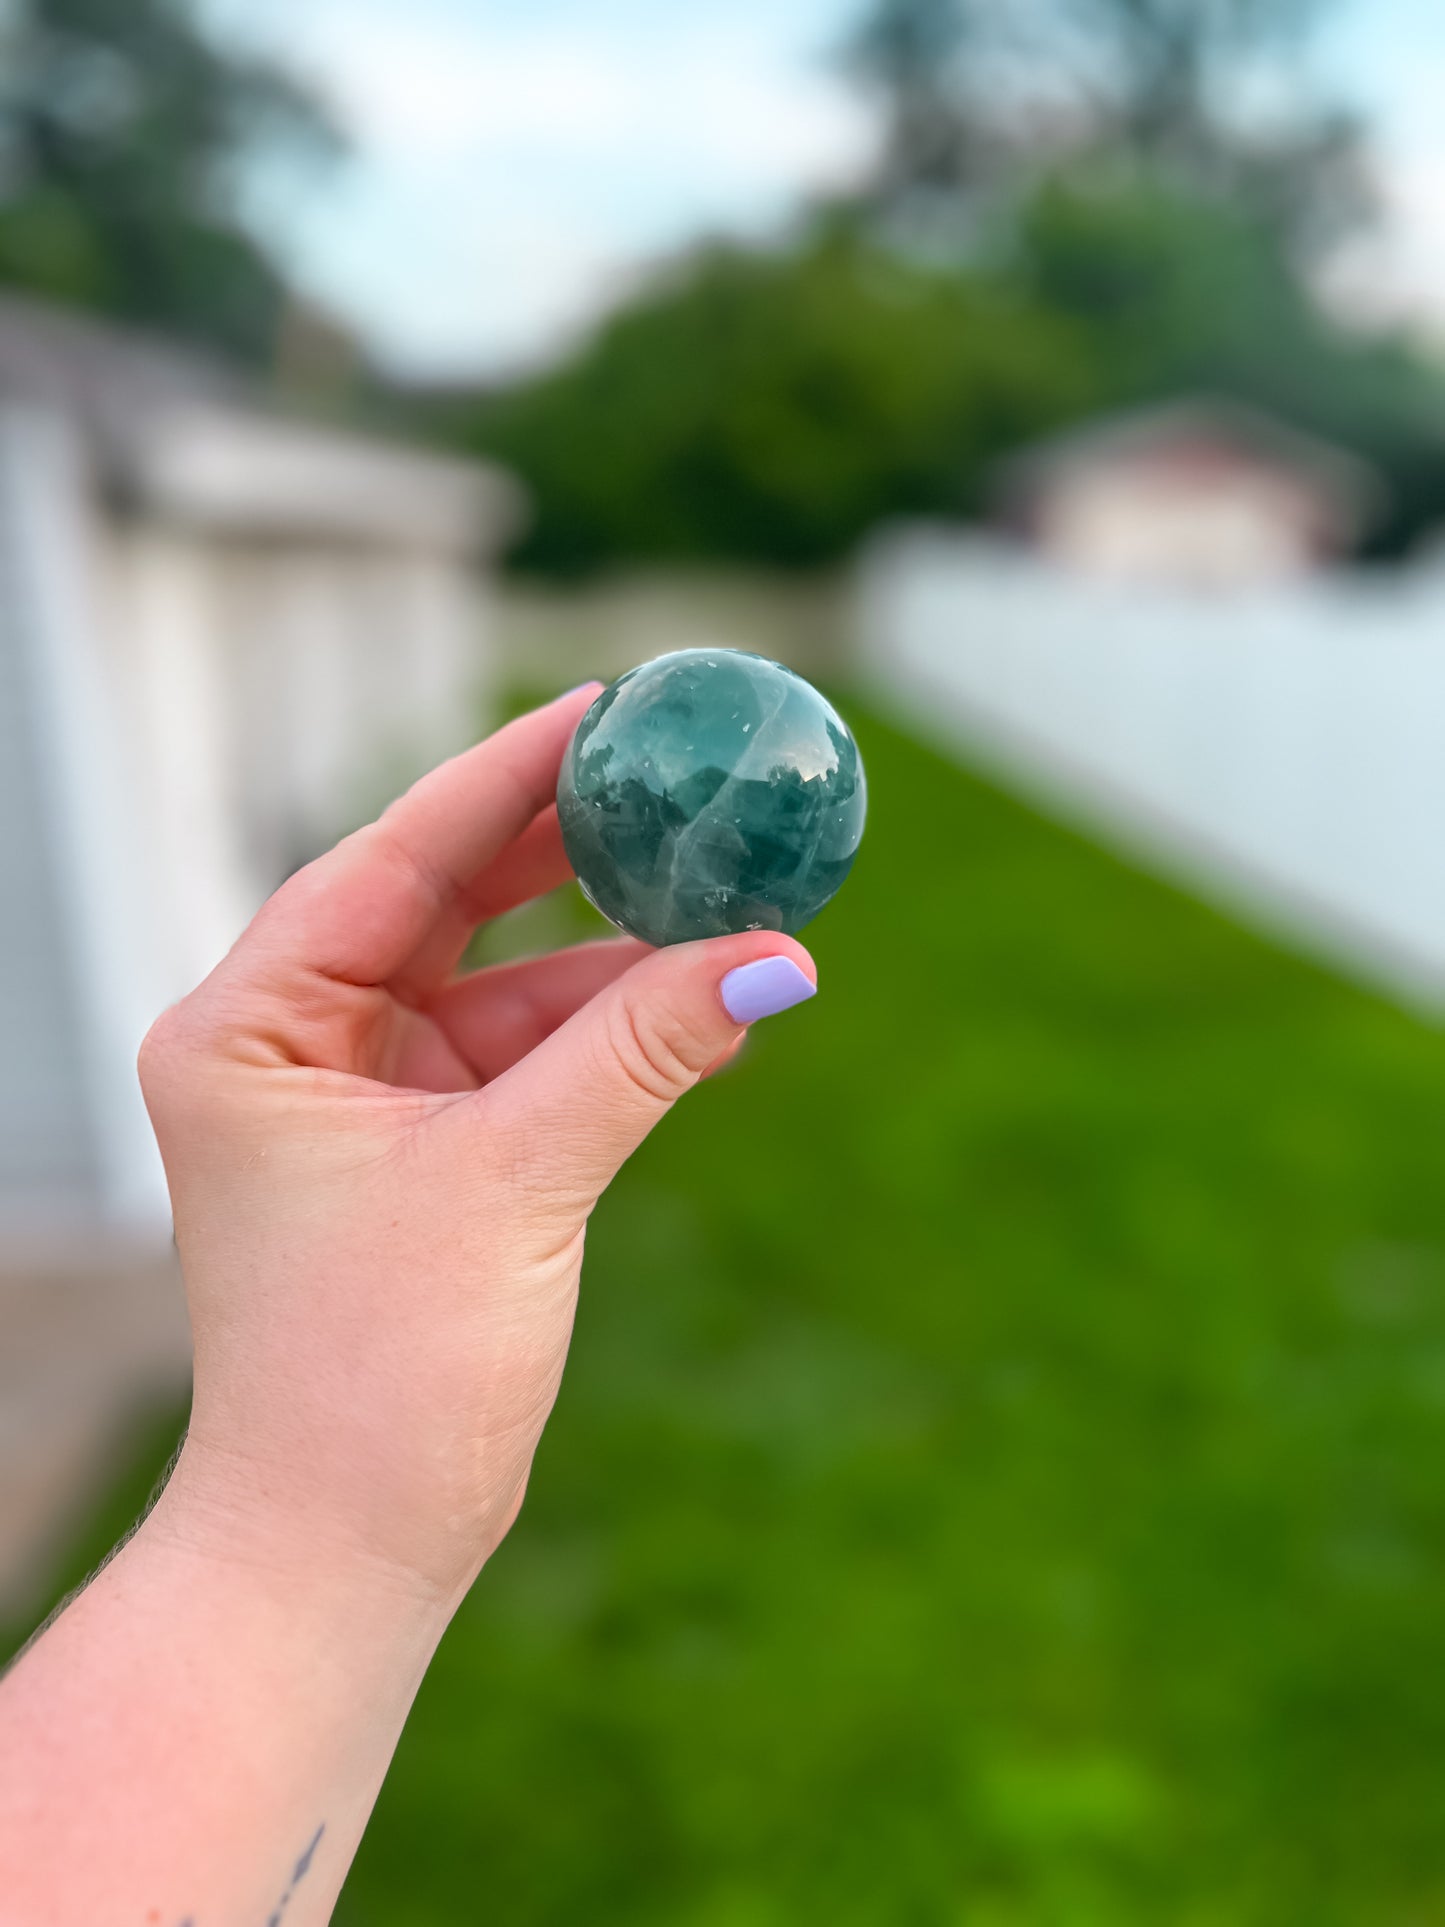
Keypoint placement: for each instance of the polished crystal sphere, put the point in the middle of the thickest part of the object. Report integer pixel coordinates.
(708, 792)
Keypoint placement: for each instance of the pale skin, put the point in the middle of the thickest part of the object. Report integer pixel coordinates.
(381, 1175)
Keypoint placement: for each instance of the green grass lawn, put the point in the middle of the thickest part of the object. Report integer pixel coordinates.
(1000, 1477)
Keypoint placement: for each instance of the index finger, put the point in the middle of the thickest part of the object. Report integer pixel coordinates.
(360, 912)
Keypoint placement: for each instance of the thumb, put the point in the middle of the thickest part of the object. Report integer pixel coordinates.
(579, 1105)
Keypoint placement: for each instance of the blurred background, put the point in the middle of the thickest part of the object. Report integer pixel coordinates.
(1001, 1476)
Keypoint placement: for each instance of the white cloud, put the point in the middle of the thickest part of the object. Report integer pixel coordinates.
(509, 176)
(519, 161)
(1395, 272)
(1389, 59)
(706, 95)
(417, 90)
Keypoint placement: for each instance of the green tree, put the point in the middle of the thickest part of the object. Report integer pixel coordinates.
(980, 99)
(773, 406)
(123, 131)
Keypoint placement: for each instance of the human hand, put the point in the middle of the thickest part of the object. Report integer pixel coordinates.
(382, 1173)
(381, 1179)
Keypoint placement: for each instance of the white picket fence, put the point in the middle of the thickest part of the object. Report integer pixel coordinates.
(1283, 750)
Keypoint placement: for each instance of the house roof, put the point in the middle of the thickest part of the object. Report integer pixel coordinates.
(1349, 485)
(180, 433)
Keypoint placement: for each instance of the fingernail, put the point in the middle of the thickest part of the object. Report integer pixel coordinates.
(764, 988)
(577, 688)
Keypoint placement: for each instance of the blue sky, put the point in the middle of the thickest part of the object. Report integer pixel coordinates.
(517, 163)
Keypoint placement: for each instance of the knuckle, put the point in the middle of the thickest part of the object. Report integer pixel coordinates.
(170, 1059)
(659, 1052)
(162, 1047)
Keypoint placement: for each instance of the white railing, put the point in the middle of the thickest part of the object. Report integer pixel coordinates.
(1284, 749)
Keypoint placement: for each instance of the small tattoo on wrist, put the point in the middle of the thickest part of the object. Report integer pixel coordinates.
(298, 1874)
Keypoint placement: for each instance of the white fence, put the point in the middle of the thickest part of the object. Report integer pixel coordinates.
(1285, 750)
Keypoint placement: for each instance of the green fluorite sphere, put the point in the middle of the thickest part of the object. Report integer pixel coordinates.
(708, 792)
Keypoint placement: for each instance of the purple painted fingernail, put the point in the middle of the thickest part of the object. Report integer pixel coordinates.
(764, 988)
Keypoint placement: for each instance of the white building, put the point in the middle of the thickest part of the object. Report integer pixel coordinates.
(1199, 494)
(222, 632)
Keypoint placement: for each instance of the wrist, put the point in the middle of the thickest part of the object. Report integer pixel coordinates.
(217, 1516)
(220, 1702)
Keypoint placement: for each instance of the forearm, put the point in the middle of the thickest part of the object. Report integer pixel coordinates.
(201, 1735)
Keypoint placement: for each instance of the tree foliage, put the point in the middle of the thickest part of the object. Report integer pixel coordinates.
(979, 99)
(122, 133)
(773, 406)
